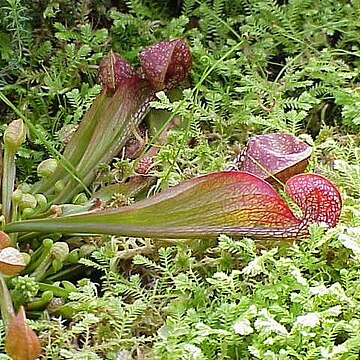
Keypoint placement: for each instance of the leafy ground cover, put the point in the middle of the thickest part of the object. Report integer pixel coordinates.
(257, 67)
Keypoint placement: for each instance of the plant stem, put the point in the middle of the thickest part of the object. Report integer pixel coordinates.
(68, 273)
(56, 290)
(8, 182)
(6, 306)
(1, 169)
(44, 251)
(40, 271)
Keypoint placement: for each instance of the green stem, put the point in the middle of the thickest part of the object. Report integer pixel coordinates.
(56, 290)
(40, 271)
(69, 272)
(14, 217)
(1, 169)
(8, 182)
(44, 250)
(41, 303)
(129, 221)
(6, 305)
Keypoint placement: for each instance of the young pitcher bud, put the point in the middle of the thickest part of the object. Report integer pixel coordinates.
(40, 304)
(25, 188)
(60, 250)
(5, 240)
(86, 250)
(80, 199)
(41, 201)
(11, 261)
(14, 135)
(26, 257)
(27, 201)
(56, 265)
(17, 196)
(21, 342)
(26, 213)
(47, 243)
(47, 168)
(46, 297)
(73, 256)
(59, 187)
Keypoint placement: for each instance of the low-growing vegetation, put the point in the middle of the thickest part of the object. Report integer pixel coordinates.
(137, 217)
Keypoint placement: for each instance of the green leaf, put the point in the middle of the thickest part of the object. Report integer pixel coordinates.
(234, 203)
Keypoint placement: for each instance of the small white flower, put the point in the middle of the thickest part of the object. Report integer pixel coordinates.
(269, 341)
(310, 319)
(334, 310)
(307, 334)
(254, 352)
(194, 351)
(319, 290)
(268, 324)
(243, 327)
(123, 355)
(351, 242)
(336, 350)
(298, 277)
(252, 310)
(341, 165)
(338, 290)
(253, 268)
